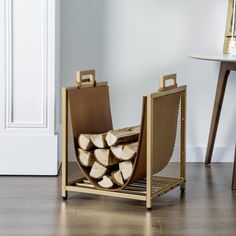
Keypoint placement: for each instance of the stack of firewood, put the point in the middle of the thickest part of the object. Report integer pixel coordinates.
(109, 156)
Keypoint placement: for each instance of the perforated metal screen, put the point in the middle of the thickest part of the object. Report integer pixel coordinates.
(167, 139)
(73, 169)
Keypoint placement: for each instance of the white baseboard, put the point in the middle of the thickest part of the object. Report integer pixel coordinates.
(29, 155)
(220, 154)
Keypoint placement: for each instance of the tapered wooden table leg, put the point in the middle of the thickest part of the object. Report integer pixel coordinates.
(234, 173)
(222, 81)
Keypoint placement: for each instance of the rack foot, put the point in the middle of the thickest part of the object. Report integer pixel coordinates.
(182, 188)
(64, 195)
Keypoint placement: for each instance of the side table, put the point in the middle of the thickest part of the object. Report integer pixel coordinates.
(227, 64)
(234, 172)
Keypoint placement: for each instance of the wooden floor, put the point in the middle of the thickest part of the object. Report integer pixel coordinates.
(33, 206)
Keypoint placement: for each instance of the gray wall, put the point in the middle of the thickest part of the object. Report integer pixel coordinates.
(131, 43)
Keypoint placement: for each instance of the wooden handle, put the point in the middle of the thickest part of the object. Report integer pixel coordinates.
(165, 78)
(90, 81)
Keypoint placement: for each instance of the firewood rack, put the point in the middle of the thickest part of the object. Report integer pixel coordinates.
(160, 163)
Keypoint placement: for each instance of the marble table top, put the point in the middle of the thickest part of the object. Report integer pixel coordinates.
(214, 56)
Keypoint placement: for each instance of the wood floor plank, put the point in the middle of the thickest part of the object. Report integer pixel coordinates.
(33, 206)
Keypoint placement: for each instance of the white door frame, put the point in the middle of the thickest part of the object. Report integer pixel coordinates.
(29, 87)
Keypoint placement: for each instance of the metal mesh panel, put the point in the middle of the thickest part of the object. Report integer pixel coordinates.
(166, 140)
(73, 169)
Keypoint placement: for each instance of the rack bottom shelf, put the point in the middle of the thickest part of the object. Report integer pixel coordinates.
(136, 191)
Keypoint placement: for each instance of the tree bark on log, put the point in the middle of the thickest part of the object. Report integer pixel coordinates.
(126, 135)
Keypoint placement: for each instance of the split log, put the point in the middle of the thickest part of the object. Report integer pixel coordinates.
(126, 168)
(129, 151)
(106, 182)
(126, 135)
(99, 140)
(117, 151)
(86, 158)
(85, 142)
(125, 152)
(117, 178)
(105, 157)
(97, 171)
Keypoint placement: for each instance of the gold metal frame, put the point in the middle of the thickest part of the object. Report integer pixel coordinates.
(144, 189)
(178, 182)
(90, 82)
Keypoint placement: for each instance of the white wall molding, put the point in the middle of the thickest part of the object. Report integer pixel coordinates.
(42, 122)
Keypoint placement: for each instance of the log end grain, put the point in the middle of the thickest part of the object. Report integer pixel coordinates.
(97, 171)
(117, 178)
(106, 182)
(86, 158)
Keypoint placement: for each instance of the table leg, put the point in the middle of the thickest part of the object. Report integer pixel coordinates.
(234, 173)
(219, 97)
